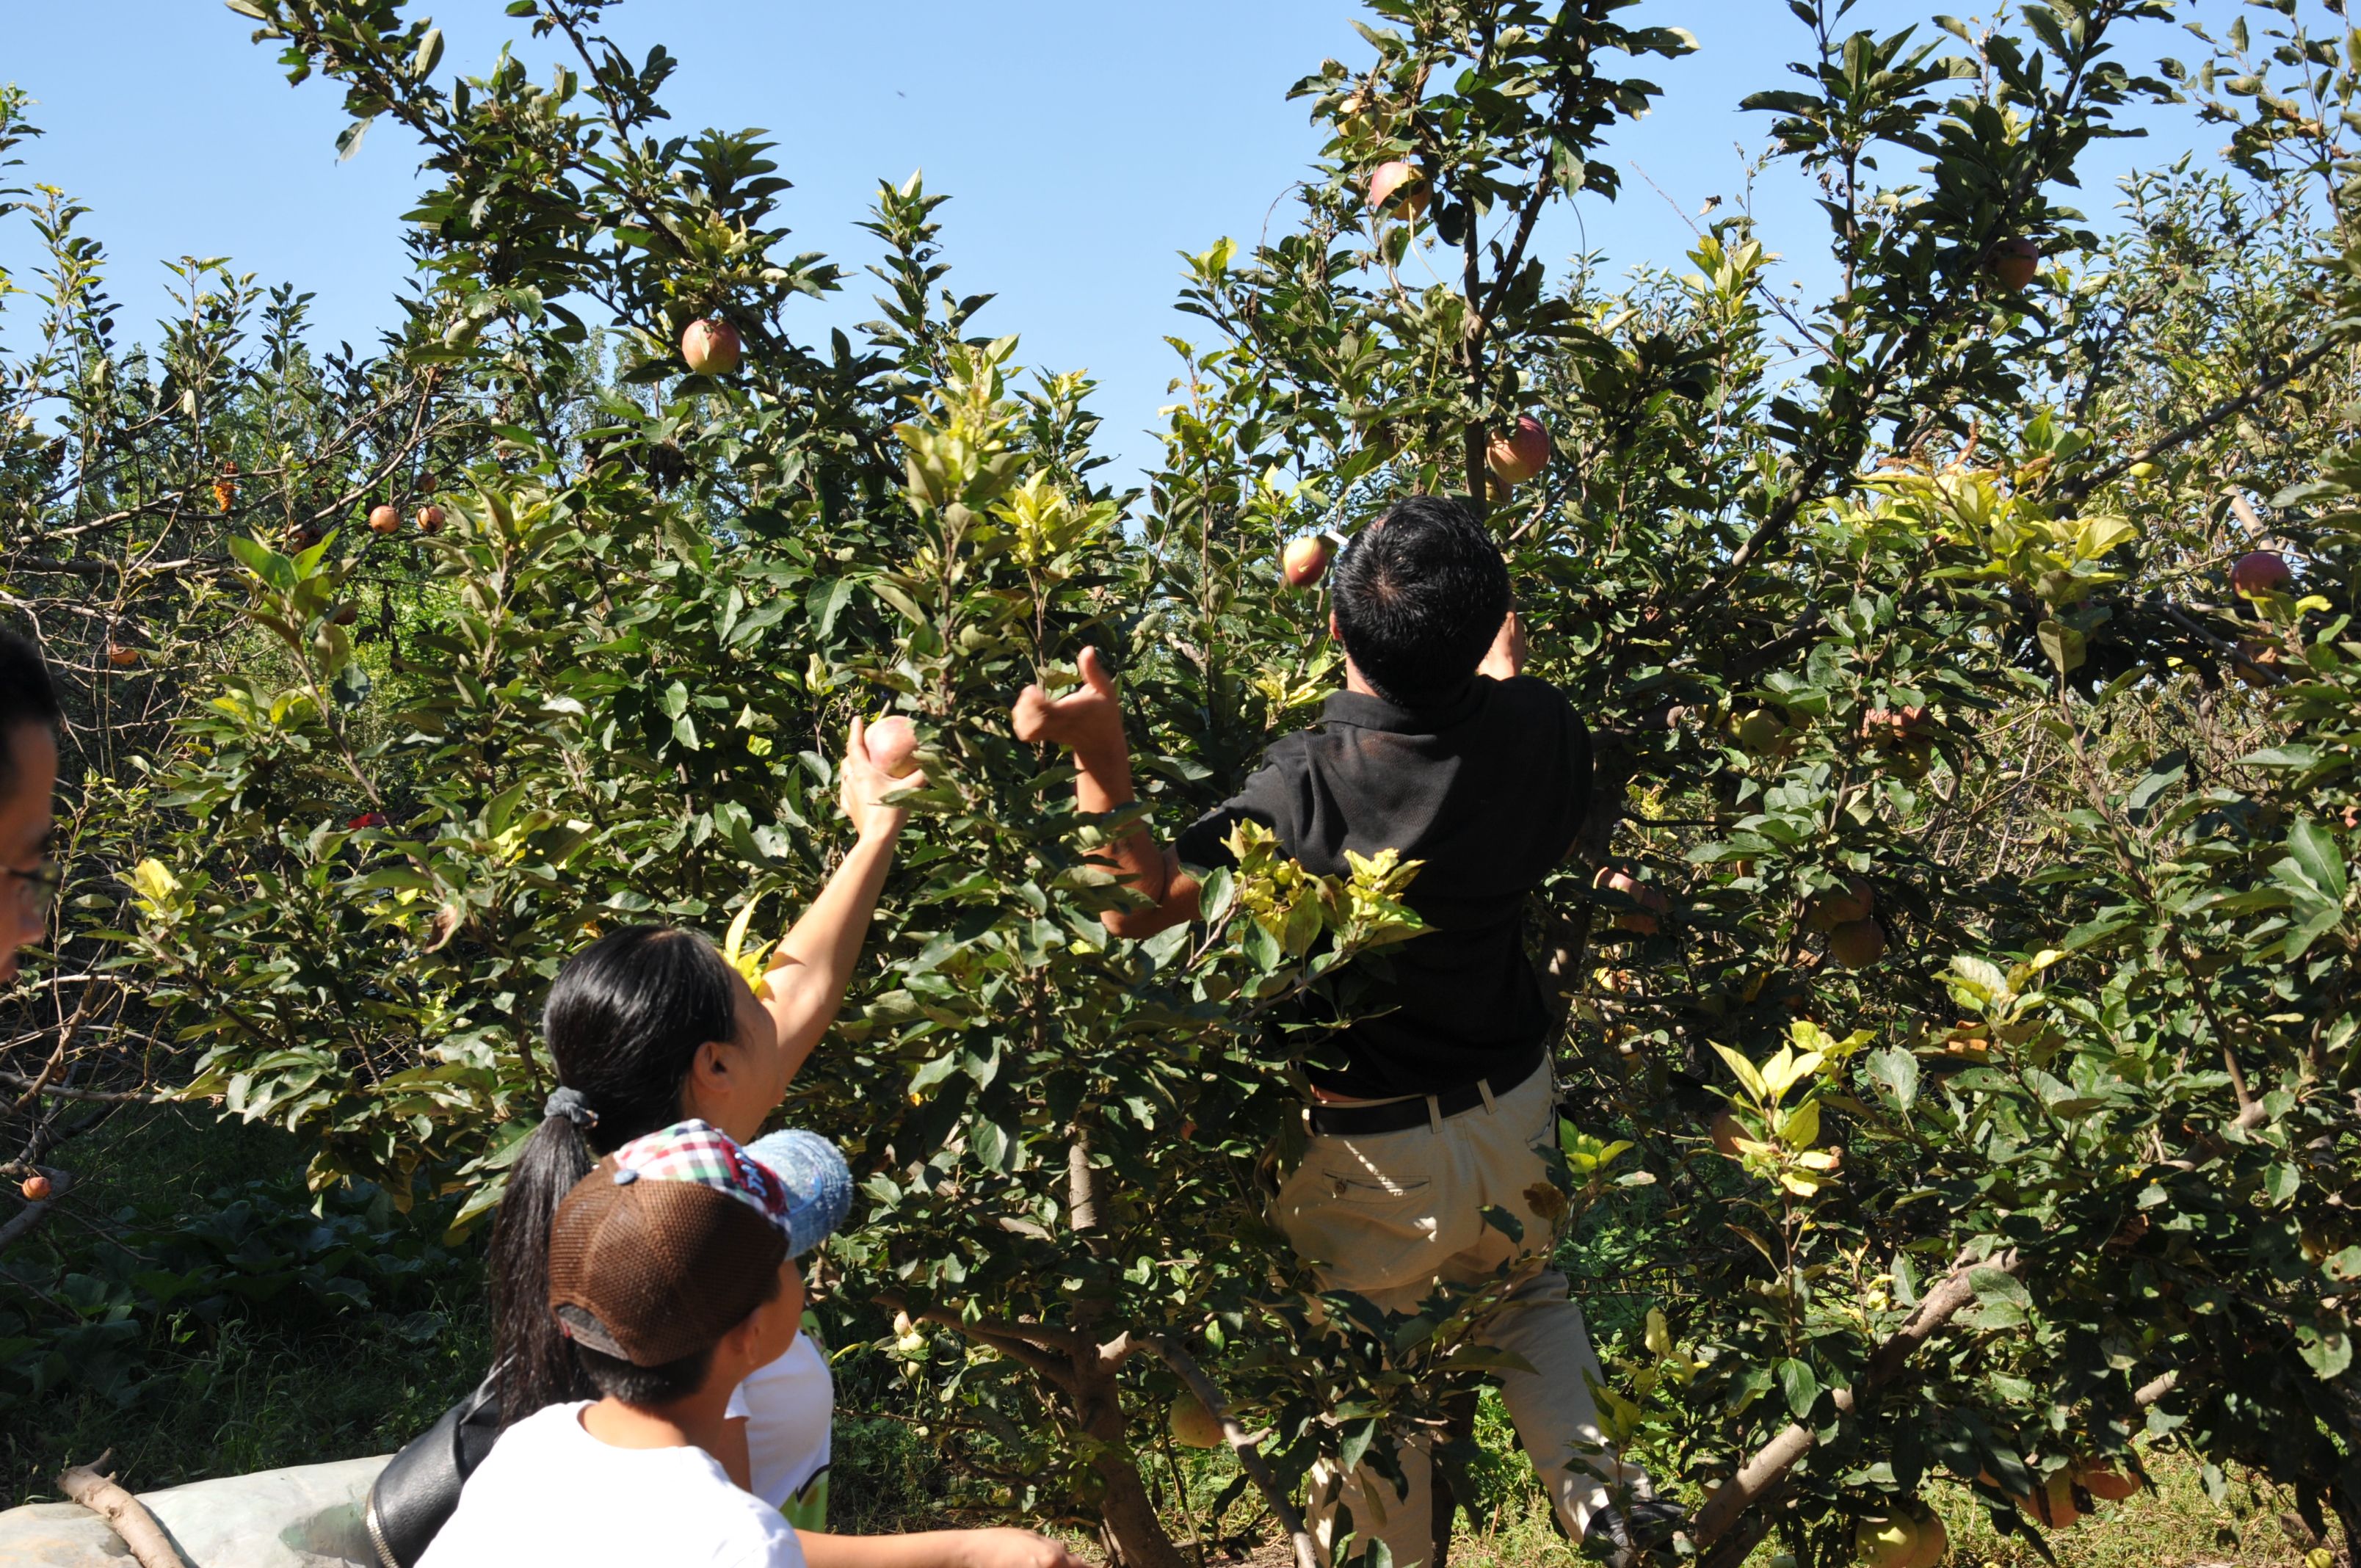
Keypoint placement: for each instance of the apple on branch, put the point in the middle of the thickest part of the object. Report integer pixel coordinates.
(710, 347)
(1305, 561)
(1521, 454)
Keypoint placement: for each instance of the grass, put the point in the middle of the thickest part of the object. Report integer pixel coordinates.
(252, 1391)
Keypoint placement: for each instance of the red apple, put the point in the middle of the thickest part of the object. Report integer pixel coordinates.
(893, 741)
(1622, 879)
(384, 519)
(36, 1187)
(1518, 457)
(430, 520)
(1398, 189)
(122, 655)
(2012, 263)
(1304, 561)
(2105, 1481)
(1857, 944)
(344, 615)
(1841, 906)
(1726, 1133)
(2260, 572)
(710, 347)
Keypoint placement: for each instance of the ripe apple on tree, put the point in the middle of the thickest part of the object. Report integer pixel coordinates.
(36, 1187)
(1521, 454)
(430, 520)
(122, 655)
(2012, 263)
(1618, 877)
(1304, 561)
(1857, 944)
(384, 519)
(2260, 572)
(1396, 190)
(710, 347)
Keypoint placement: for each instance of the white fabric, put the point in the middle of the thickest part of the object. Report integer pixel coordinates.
(788, 1407)
(549, 1492)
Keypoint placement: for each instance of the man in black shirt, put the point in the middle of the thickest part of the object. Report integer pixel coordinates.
(1435, 1100)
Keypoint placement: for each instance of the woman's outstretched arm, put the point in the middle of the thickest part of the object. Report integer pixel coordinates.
(813, 962)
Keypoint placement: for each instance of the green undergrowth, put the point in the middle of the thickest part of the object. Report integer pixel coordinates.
(191, 1307)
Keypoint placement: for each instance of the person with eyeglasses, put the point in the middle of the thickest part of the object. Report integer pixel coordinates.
(28, 777)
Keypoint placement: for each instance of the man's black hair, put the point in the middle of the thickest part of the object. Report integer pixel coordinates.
(1419, 596)
(25, 697)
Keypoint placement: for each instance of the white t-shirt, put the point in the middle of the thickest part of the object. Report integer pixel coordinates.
(549, 1492)
(789, 1405)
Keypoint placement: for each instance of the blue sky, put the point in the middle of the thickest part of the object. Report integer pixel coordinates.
(1085, 144)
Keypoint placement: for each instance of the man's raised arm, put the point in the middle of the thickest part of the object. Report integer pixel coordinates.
(1089, 719)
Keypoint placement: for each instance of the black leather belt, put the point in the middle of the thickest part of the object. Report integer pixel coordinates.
(1397, 1116)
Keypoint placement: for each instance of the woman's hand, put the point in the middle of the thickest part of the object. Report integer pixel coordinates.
(862, 785)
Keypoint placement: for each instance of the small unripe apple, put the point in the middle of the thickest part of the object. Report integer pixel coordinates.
(1521, 454)
(1884, 1541)
(1398, 189)
(430, 520)
(2012, 263)
(1759, 731)
(1857, 944)
(892, 742)
(36, 1187)
(122, 655)
(904, 1326)
(710, 347)
(2143, 472)
(384, 519)
(1191, 1424)
(2260, 572)
(1304, 561)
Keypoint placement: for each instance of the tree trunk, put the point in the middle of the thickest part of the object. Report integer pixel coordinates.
(1134, 1537)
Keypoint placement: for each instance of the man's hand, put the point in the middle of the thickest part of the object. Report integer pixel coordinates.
(1011, 1549)
(1506, 657)
(862, 784)
(1089, 718)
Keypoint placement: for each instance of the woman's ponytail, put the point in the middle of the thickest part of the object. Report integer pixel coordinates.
(536, 1364)
(626, 1017)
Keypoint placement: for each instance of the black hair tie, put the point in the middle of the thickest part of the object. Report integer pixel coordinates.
(569, 1103)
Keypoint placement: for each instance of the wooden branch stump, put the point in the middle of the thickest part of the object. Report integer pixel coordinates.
(124, 1514)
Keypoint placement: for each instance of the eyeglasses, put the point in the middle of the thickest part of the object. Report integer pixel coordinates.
(36, 890)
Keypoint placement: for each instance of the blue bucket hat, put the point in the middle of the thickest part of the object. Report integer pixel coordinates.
(818, 1184)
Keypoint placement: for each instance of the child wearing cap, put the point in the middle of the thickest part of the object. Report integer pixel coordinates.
(672, 1273)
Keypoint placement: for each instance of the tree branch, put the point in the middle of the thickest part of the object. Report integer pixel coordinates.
(129, 1516)
(1761, 1478)
(1250, 1459)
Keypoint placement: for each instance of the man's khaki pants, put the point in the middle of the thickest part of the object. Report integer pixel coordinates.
(1387, 1214)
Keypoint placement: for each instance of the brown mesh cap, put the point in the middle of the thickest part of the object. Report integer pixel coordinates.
(653, 1269)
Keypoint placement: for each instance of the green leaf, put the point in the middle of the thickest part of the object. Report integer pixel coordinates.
(1744, 1071)
(1800, 1386)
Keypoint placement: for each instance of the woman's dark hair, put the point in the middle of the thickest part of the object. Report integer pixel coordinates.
(652, 1388)
(624, 1021)
(1419, 596)
(25, 697)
